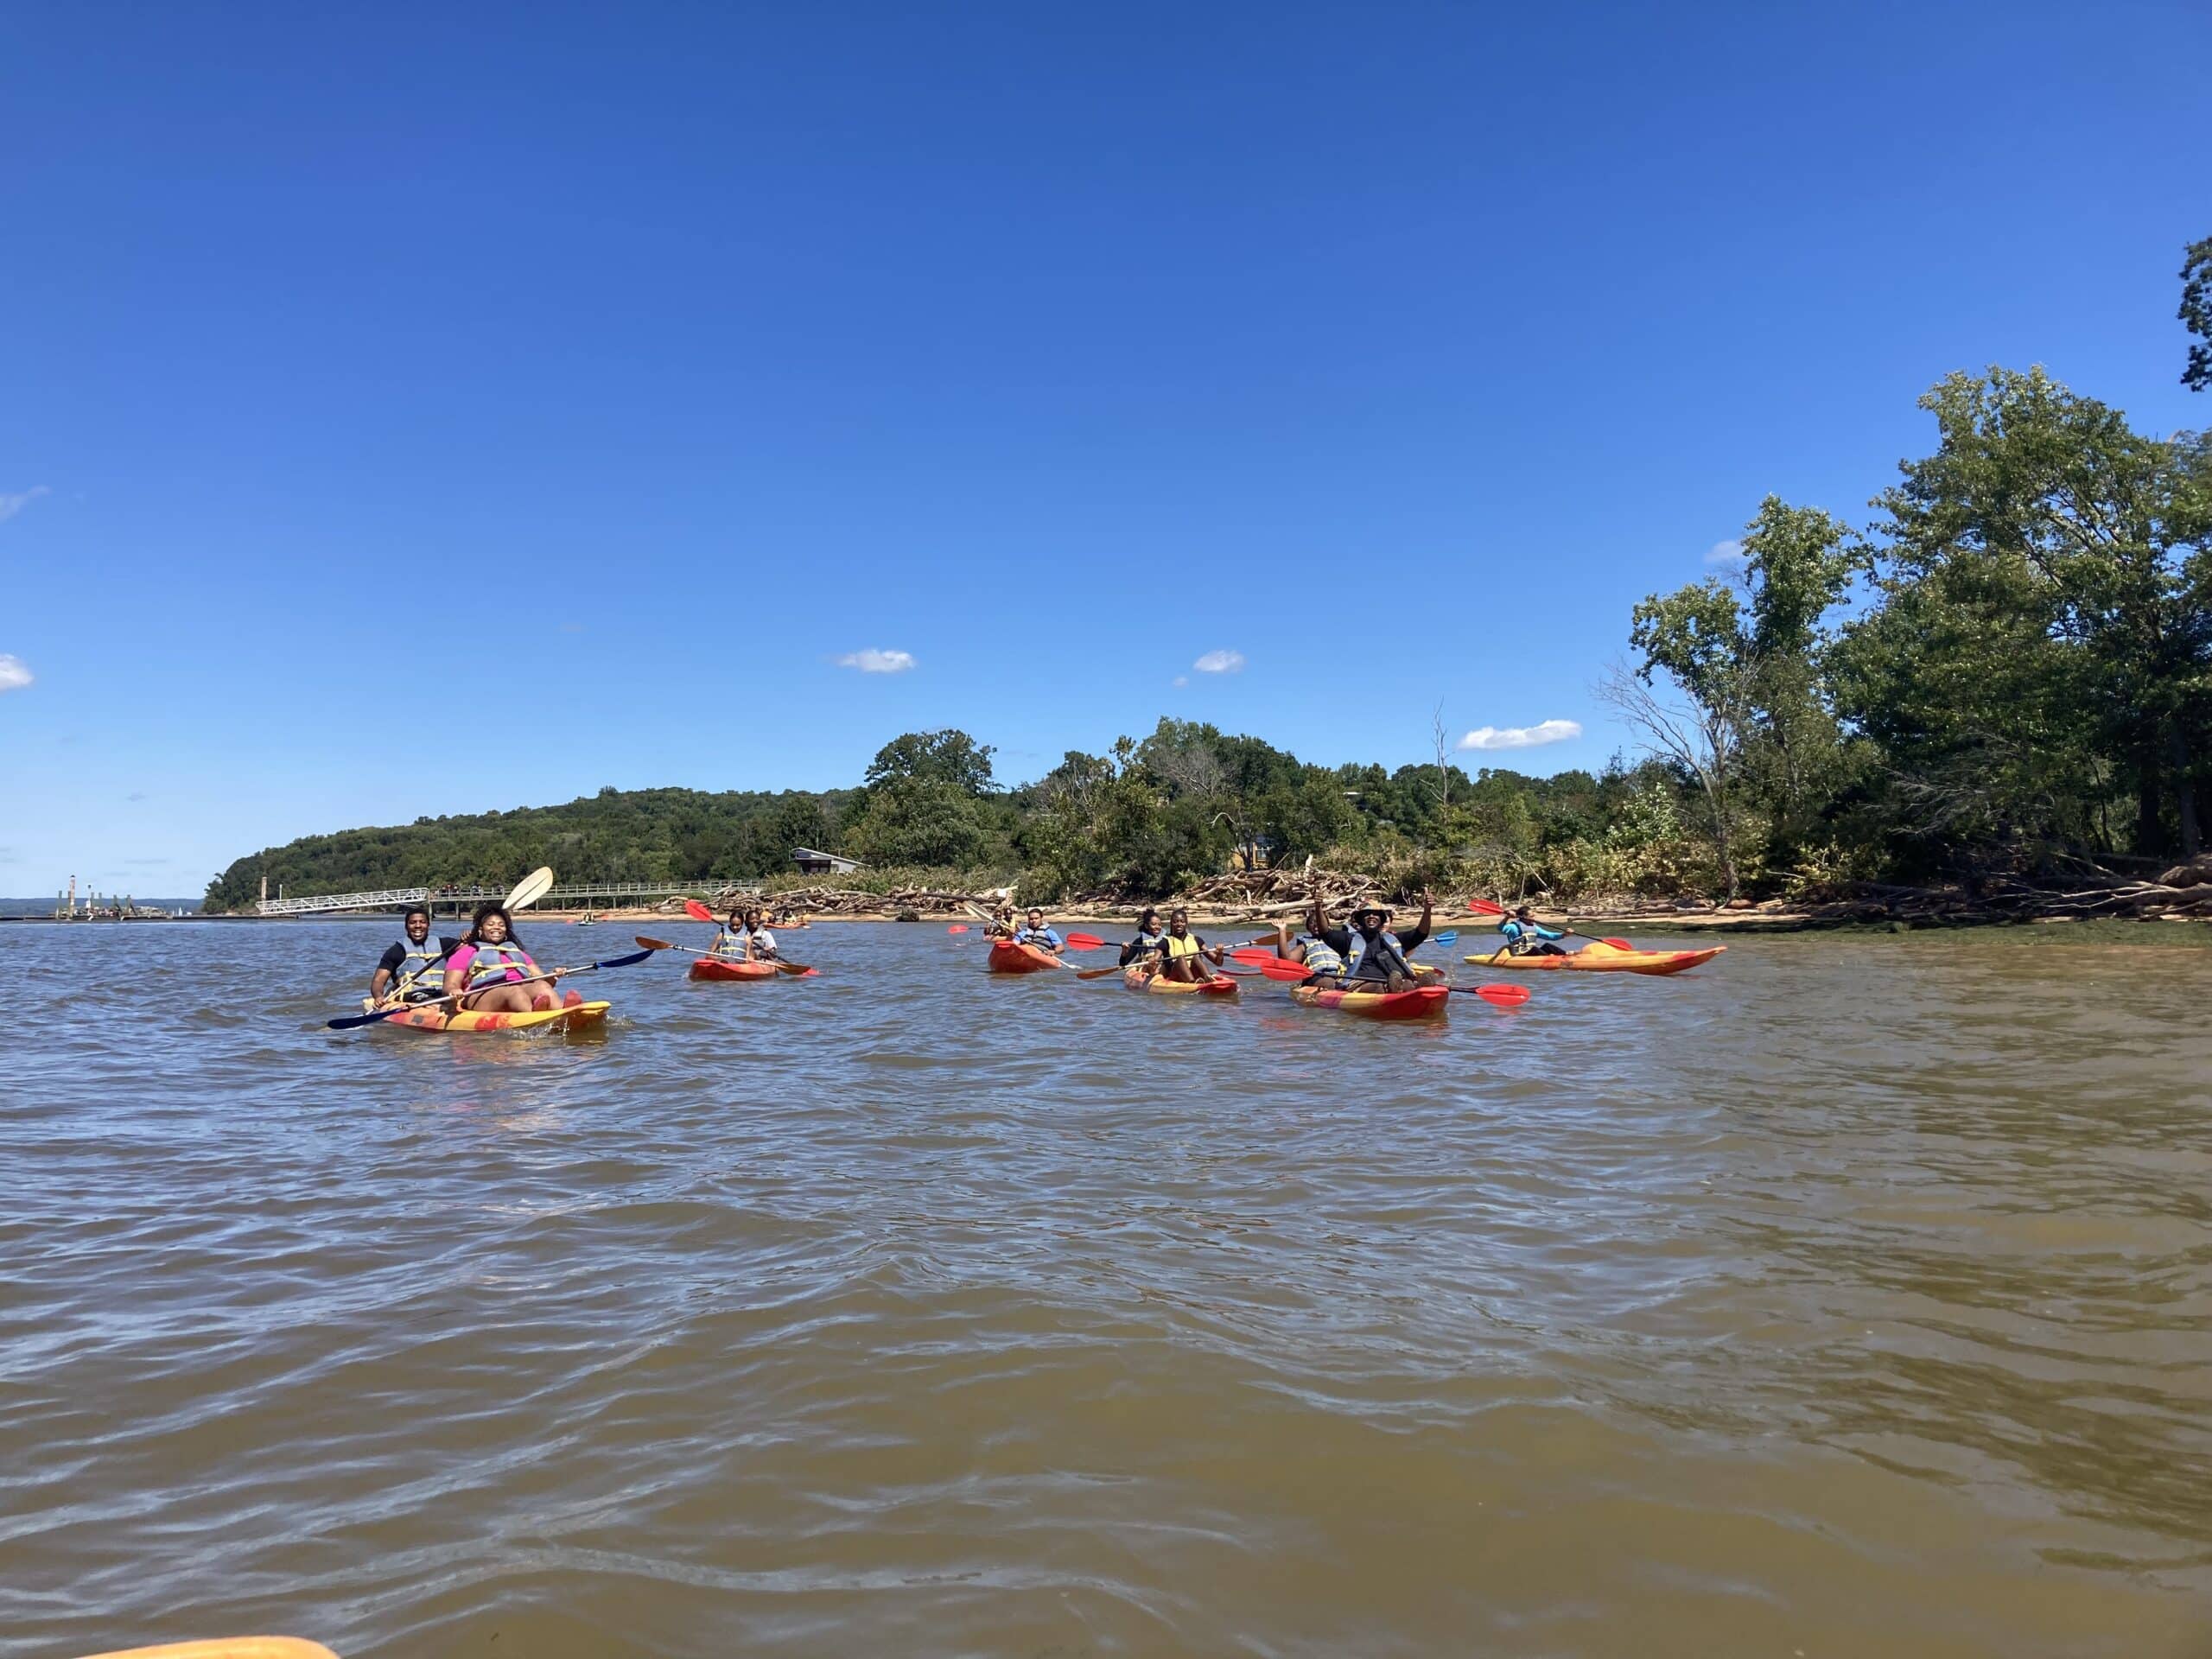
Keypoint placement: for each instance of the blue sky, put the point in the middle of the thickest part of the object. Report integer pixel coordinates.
(534, 351)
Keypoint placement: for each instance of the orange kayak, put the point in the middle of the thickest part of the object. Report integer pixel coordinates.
(1599, 958)
(1422, 1002)
(1143, 979)
(722, 968)
(1008, 957)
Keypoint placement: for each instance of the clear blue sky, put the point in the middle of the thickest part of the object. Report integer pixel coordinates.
(536, 348)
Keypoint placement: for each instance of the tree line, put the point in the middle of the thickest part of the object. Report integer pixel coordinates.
(2008, 667)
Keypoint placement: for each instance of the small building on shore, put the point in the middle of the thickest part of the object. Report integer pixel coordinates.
(810, 862)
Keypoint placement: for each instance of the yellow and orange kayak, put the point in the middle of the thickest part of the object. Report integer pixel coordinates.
(579, 1018)
(1143, 979)
(1599, 958)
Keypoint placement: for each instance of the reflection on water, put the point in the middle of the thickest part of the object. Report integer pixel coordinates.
(1851, 1295)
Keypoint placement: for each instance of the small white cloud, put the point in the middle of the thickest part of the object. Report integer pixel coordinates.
(1730, 552)
(872, 661)
(1220, 662)
(1522, 737)
(12, 505)
(15, 673)
(1182, 679)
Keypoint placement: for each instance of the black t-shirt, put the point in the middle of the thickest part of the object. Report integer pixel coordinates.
(389, 963)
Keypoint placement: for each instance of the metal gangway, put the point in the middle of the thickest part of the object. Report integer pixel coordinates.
(584, 895)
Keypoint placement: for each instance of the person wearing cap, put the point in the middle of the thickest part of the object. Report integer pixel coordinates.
(411, 969)
(1376, 952)
(1525, 937)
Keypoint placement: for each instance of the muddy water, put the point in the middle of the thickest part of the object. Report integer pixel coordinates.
(1847, 1296)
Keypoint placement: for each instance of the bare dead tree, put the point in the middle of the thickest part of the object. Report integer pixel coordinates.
(1443, 744)
(1702, 739)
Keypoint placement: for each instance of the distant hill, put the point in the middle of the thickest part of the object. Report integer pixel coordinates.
(616, 835)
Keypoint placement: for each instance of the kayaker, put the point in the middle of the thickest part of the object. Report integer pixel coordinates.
(760, 943)
(1001, 924)
(729, 941)
(1378, 954)
(1183, 953)
(1526, 937)
(1039, 934)
(1346, 940)
(1324, 966)
(486, 970)
(412, 969)
(1148, 941)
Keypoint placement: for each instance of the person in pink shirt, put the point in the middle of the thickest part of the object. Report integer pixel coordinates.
(492, 973)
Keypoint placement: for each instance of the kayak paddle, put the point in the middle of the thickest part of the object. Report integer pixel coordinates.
(957, 927)
(355, 1021)
(1505, 996)
(528, 891)
(796, 971)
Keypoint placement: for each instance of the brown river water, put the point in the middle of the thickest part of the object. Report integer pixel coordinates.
(1851, 1295)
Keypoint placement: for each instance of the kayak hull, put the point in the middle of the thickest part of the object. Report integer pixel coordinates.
(715, 969)
(1008, 957)
(1421, 1002)
(1604, 959)
(581, 1017)
(1140, 979)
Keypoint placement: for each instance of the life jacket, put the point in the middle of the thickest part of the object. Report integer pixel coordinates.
(499, 962)
(1144, 945)
(729, 942)
(1379, 957)
(764, 942)
(1520, 938)
(1321, 957)
(1178, 949)
(414, 978)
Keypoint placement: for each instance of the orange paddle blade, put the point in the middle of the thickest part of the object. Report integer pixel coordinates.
(697, 912)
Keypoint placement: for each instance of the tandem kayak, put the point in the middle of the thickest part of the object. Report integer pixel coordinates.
(723, 967)
(1421, 1002)
(579, 1017)
(1599, 958)
(1008, 957)
(1143, 979)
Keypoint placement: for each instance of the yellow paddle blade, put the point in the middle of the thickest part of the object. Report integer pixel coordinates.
(531, 888)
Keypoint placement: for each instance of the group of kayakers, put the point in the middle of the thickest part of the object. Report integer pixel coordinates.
(486, 970)
(1364, 953)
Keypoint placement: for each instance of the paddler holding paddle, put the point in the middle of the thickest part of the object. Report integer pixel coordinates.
(410, 968)
(1038, 933)
(484, 970)
(1525, 937)
(1148, 941)
(1183, 954)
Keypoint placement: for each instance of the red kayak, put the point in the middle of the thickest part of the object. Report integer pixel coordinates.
(1008, 957)
(723, 967)
(1422, 1002)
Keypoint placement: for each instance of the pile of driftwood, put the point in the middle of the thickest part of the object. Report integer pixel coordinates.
(2185, 890)
(1256, 895)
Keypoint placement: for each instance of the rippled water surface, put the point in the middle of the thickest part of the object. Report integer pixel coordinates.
(1850, 1295)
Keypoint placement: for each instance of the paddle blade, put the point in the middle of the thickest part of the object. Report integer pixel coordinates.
(654, 944)
(1252, 956)
(1086, 942)
(1484, 907)
(1449, 936)
(957, 927)
(623, 962)
(1617, 944)
(354, 1021)
(697, 912)
(1504, 996)
(1290, 973)
(531, 888)
(796, 970)
(1099, 973)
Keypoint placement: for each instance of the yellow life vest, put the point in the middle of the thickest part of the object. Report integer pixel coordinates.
(1177, 949)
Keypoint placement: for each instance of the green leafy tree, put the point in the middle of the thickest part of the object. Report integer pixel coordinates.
(2197, 313)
